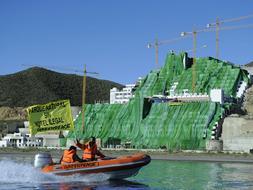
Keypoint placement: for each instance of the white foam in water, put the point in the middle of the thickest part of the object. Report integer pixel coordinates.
(13, 172)
(20, 172)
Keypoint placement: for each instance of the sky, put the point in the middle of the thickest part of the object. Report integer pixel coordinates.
(110, 37)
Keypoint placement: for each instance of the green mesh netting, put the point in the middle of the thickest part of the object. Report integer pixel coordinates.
(63, 142)
(160, 124)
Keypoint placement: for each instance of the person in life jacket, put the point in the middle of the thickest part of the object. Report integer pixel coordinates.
(70, 156)
(90, 149)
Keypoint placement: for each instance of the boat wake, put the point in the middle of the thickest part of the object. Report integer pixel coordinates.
(14, 172)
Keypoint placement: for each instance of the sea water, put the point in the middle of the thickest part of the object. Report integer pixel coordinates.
(17, 172)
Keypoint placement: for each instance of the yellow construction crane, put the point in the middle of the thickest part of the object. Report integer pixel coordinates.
(84, 72)
(158, 43)
(191, 50)
(194, 50)
(211, 29)
(84, 95)
(217, 27)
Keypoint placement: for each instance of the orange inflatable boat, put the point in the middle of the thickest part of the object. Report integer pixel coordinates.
(116, 168)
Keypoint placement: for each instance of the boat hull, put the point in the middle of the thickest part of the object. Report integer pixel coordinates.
(117, 168)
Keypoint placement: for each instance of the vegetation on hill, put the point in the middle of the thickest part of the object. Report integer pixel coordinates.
(38, 85)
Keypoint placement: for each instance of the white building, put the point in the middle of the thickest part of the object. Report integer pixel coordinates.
(24, 139)
(21, 141)
(50, 139)
(123, 96)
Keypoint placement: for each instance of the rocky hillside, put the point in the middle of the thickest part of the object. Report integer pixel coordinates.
(248, 101)
(38, 85)
(249, 64)
(8, 113)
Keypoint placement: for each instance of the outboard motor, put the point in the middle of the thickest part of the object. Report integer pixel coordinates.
(42, 159)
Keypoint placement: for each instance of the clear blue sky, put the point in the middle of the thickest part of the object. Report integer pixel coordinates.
(110, 36)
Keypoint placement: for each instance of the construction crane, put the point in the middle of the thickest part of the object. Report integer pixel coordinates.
(84, 95)
(211, 29)
(84, 72)
(191, 50)
(194, 50)
(217, 25)
(158, 43)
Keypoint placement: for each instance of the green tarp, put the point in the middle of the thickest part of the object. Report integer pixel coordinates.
(164, 125)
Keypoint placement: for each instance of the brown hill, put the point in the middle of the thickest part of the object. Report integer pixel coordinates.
(38, 85)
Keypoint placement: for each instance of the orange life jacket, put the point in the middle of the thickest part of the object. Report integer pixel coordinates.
(89, 152)
(68, 156)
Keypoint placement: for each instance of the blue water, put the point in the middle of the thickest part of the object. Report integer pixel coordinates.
(17, 172)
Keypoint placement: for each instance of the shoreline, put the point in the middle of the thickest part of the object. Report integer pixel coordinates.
(196, 156)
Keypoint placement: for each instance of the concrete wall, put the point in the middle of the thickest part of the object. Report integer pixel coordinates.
(50, 139)
(237, 134)
(214, 145)
(51, 142)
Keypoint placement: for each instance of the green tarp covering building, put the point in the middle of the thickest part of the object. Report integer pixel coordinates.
(163, 125)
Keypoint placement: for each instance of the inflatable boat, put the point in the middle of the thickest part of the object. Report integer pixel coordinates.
(116, 168)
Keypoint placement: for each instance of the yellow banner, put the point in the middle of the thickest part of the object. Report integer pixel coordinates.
(53, 116)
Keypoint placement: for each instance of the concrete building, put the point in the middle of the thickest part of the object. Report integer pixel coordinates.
(24, 139)
(21, 141)
(49, 139)
(121, 96)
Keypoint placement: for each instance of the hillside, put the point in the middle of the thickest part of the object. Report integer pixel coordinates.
(249, 64)
(248, 101)
(38, 85)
